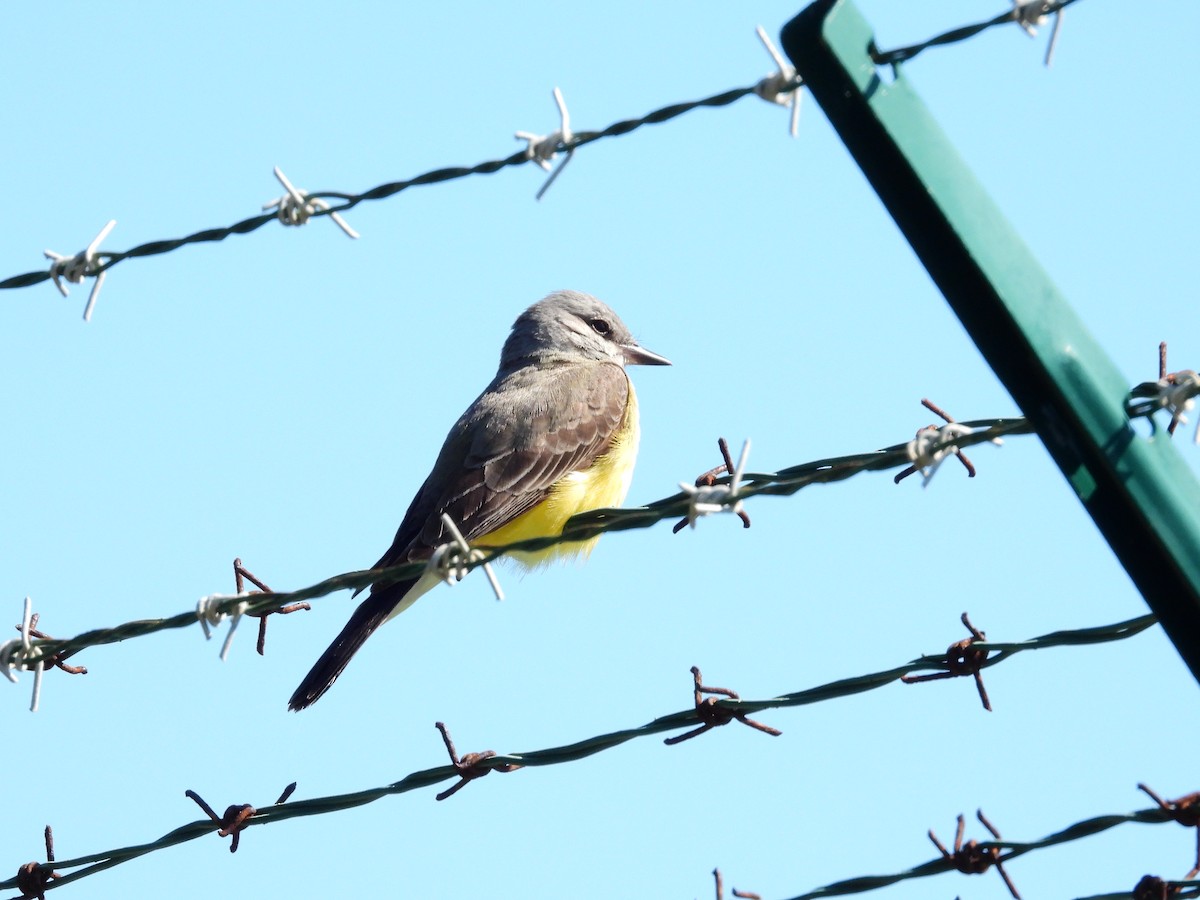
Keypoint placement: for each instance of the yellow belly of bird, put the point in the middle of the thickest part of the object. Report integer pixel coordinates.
(604, 484)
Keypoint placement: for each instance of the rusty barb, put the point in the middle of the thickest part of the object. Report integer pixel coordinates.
(1151, 887)
(468, 767)
(744, 895)
(1175, 392)
(58, 660)
(240, 576)
(971, 858)
(1172, 379)
(33, 878)
(962, 658)
(712, 715)
(935, 433)
(1186, 811)
(235, 816)
(709, 479)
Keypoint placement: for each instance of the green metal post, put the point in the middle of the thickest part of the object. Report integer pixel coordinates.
(1139, 492)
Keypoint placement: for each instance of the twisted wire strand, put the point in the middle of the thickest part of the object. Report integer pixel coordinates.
(450, 173)
(93, 863)
(580, 527)
(965, 32)
(1075, 832)
(349, 201)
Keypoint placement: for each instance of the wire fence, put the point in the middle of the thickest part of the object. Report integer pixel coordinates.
(686, 505)
(347, 201)
(704, 715)
(93, 263)
(1008, 850)
(296, 207)
(977, 652)
(1029, 15)
(727, 493)
(925, 453)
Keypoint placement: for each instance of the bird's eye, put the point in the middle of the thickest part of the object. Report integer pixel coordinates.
(600, 326)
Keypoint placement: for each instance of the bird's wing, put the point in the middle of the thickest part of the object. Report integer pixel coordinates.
(524, 433)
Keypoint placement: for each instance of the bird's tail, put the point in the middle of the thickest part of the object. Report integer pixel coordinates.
(379, 606)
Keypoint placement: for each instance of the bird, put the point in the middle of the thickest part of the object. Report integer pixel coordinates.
(555, 433)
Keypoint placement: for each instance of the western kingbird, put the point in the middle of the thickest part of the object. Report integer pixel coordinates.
(554, 434)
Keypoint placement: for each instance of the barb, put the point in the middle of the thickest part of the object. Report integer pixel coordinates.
(13, 653)
(452, 561)
(713, 716)
(82, 265)
(18, 654)
(468, 767)
(296, 207)
(706, 499)
(240, 576)
(212, 610)
(782, 86)
(702, 506)
(689, 718)
(542, 149)
(1029, 14)
(1151, 887)
(1175, 392)
(744, 895)
(933, 444)
(236, 816)
(34, 878)
(962, 658)
(58, 660)
(974, 858)
(1032, 15)
(1185, 811)
(785, 482)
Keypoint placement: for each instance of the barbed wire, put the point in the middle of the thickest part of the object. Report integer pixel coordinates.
(931, 446)
(296, 207)
(700, 714)
(1011, 850)
(785, 482)
(1029, 14)
(27, 654)
(103, 261)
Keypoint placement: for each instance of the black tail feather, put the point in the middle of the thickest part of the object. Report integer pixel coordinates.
(371, 613)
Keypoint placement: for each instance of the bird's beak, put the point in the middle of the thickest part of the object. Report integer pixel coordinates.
(640, 356)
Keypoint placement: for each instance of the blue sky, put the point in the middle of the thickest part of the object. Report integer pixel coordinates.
(279, 397)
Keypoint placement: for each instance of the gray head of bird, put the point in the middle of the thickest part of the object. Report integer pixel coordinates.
(570, 325)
